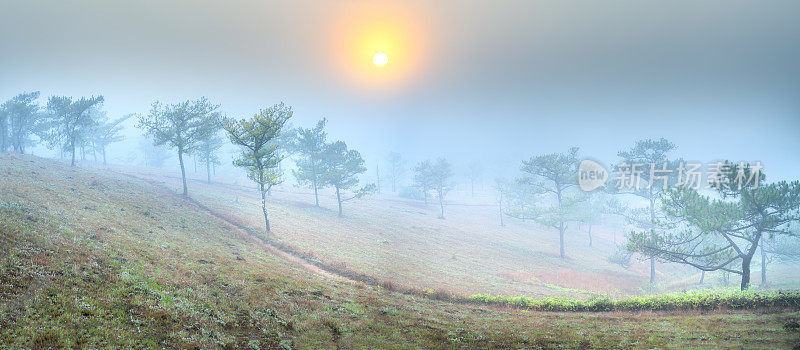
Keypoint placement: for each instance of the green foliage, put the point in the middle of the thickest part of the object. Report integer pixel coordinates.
(310, 145)
(69, 122)
(693, 300)
(340, 169)
(181, 126)
(411, 192)
(554, 177)
(621, 256)
(340, 166)
(259, 156)
(423, 179)
(106, 132)
(19, 119)
(712, 233)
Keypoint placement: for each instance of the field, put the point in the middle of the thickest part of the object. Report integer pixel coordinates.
(94, 258)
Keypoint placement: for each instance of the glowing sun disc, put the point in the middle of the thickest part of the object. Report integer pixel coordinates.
(380, 59)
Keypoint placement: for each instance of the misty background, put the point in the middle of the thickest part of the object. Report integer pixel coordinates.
(496, 85)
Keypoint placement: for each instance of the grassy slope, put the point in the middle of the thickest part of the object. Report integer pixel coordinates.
(92, 258)
(402, 241)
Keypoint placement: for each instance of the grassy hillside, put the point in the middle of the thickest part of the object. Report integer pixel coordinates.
(91, 258)
(402, 241)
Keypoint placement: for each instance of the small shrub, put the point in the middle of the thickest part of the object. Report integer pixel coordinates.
(411, 192)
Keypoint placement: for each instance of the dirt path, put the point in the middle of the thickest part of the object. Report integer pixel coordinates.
(279, 250)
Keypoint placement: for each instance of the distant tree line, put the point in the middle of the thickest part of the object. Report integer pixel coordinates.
(71, 125)
(720, 231)
(710, 232)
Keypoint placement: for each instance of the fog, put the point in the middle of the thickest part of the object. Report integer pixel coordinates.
(494, 84)
(381, 174)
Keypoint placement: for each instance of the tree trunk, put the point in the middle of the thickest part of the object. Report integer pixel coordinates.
(72, 163)
(652, 223)
(104, 156)
(472, 187)
(590, 235)
(264, 206)
(561, 226)
(501, 209)
(763, 267)
(208, 170)
(316, 195)
(183, 172)
(702, 276)
(339, 199)
(746, 272)
(441, 204)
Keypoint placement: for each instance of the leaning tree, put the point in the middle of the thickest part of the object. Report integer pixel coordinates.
(181, 126)
(259, 154)
(717, 233)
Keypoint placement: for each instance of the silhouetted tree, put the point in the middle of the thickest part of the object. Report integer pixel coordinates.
(553, 175)
(207, 152)
(473, 174)
(107, 132)
(340, 169)
(310, 145)
(69, 122)
(259, 154)
(503, 188)
(785, 248)
(19, 119)
(181, 126)
(440, 174)
(652, 155)
(4, 136)
(396, 168)
(154, 156)
(423, 179)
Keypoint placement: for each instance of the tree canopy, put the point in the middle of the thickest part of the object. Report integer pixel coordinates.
(259, 153)
(340, 169)
(711, 233)
(310, 145)
(181, 126)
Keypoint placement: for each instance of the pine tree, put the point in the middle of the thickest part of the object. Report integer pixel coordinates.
(259, 153)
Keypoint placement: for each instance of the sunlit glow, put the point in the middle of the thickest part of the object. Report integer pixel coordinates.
(380, 59)
(391, 35)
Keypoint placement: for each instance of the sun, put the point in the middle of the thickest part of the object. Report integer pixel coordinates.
(380, 59)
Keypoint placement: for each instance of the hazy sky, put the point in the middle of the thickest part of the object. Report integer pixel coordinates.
(466, 79)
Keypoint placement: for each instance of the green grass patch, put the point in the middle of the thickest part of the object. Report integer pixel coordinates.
(691, 300)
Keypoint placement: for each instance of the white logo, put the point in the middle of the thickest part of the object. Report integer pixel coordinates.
(591, 175)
